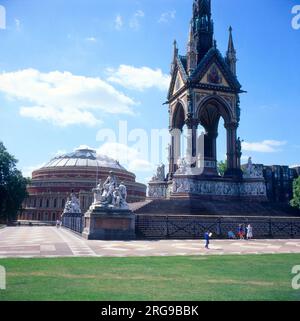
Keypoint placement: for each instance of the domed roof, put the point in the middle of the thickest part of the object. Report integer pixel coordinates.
(84, 157)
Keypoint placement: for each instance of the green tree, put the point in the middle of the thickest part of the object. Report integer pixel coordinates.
(12, 186)
(295, 202)
(222, 167)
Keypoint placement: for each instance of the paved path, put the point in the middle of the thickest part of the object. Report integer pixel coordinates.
(27, 242)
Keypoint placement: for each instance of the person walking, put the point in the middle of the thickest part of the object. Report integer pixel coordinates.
(207, 237)
(244, 231)
(240, 232)
(231, 235)
(249, 232)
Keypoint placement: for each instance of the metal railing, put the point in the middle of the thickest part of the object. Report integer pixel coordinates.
(193, 227)
(74, 222)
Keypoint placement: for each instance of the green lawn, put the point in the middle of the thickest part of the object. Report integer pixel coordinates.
(265, 277)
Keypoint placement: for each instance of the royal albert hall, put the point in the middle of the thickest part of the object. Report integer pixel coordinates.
(77, 172)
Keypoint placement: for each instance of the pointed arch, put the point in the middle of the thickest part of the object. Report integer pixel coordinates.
(217, 106)
(178, 116)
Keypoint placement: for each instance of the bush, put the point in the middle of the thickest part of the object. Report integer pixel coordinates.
(295, 202)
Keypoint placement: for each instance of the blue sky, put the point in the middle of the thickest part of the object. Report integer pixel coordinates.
(72, 70)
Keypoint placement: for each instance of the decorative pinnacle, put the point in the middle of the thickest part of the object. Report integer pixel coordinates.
(175, 44)
(175, 48)
(231, 53)
(231, 48)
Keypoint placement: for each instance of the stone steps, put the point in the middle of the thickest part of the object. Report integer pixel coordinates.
(137, 206)
(218, 208)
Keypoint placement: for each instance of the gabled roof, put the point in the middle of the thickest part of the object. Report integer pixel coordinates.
(180, 66)
(214, 55)
(183, 62)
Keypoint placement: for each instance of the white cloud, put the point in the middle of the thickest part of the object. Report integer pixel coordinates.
(18, 24)
(294, 166)
(127, 156)
(139, 78)
(140, 165)
(27, 170)
(59, 116)
(91, 39)
(118, 22)
(266, 146)
(60, 152)
(167, 16)
(63, 98)
(135, 20)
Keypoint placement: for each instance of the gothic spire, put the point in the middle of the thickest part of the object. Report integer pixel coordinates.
(231, 53)
(202, 7)
(230, 43)
(202, 27)
(175, 54)
(191, 52)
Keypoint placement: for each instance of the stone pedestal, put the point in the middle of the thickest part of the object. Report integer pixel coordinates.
(157, 190)
(108, 224)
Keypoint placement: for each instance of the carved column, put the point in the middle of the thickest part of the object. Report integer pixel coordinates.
(210, 152)
(192, 125)
(171, 158)
(175, 149)
(239, 153)
(230, 144)
(213, 144)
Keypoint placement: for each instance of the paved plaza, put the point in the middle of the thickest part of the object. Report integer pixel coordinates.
(28, 242)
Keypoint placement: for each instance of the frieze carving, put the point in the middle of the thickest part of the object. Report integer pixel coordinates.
(191, 186)
(253, 189)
